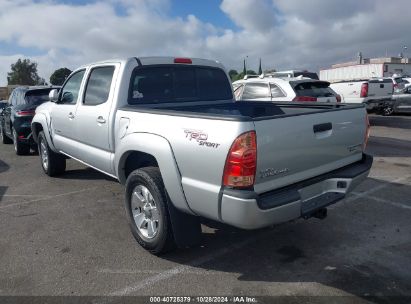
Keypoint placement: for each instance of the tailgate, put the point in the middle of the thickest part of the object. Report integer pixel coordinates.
(380, 88)
(294, 148)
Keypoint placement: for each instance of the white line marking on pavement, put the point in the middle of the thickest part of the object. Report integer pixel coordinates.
(381, 200)
(23, 195)
(182, 268)
(47, 198)
(152, 271)
(374, 189)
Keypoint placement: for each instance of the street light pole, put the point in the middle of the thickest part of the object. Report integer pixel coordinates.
(405, 54)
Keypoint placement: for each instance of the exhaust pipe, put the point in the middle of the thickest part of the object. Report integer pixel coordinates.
(320, 213)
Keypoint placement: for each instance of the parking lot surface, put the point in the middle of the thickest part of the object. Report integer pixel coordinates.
(69, 236)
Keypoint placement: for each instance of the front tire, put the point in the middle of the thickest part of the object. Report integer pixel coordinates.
(53, 163)
(147, 211)
(20, 148)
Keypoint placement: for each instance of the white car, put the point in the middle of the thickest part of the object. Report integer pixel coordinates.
(399, 82)
(407, 82)
(299, 89)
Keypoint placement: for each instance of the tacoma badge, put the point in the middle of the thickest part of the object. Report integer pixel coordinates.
(272, 172)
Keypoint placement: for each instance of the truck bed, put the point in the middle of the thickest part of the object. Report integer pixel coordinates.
(241, 111)
(312, 139)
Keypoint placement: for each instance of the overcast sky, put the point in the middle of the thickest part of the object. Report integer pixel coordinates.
(285, 34)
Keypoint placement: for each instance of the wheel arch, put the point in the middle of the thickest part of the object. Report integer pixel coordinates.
(139, 150)
(38, 124)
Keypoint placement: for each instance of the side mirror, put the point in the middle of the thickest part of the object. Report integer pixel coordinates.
(54, 95)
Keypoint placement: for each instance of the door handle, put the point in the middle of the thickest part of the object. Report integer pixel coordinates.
(101, 120)
(71, 115)
(322, 127)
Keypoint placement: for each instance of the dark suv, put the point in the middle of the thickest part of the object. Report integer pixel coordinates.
(16, 118)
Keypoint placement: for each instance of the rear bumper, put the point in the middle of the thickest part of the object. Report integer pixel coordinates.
(248, 210)
(25, 136)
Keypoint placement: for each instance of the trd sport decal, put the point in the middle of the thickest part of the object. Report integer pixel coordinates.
(200, 137)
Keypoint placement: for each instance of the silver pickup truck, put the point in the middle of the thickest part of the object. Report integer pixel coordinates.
(170, 130)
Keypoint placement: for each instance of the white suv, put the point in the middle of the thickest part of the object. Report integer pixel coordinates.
(299, 89)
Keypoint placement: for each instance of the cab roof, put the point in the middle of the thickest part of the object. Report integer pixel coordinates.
(158, 60)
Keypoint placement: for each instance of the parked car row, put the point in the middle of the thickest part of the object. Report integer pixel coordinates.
(17, 114)
(171, 131)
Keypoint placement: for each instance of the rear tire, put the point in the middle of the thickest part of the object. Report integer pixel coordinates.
(4, 138)
(20, 148)
(387, 111)
(147, 211)
(53, 163)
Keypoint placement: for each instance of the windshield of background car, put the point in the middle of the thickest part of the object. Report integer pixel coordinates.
(314, 89)
(37, 97)
(161, 84)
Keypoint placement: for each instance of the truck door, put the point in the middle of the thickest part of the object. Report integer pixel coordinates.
(63, 114)
(403, 101)
(93, 118)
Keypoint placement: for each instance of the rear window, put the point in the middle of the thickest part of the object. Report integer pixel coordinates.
(37, 97)
(314, 89)
(306, 74)
(162, 84)
(385, 80)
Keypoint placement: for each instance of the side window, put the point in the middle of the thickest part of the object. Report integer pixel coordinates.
(19, 98)
(69, 92)
(11, 98)
(276, 91)
(98, 85)
(256, 90)
(15, 98)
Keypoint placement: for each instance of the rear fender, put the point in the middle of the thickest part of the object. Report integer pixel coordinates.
(161, 150)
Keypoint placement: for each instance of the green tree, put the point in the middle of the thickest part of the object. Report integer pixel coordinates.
(59, 76)
(233, 75)
(24, 72)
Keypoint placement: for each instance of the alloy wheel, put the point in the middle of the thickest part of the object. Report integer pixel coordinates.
(44, 155)
(145, 213)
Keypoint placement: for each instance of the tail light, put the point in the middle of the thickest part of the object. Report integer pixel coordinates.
(183, 60)
(367, 132)
(241, 163)
(25, 113)
(338, 97)
(394, 87)
(364, 90)
(304, 98)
